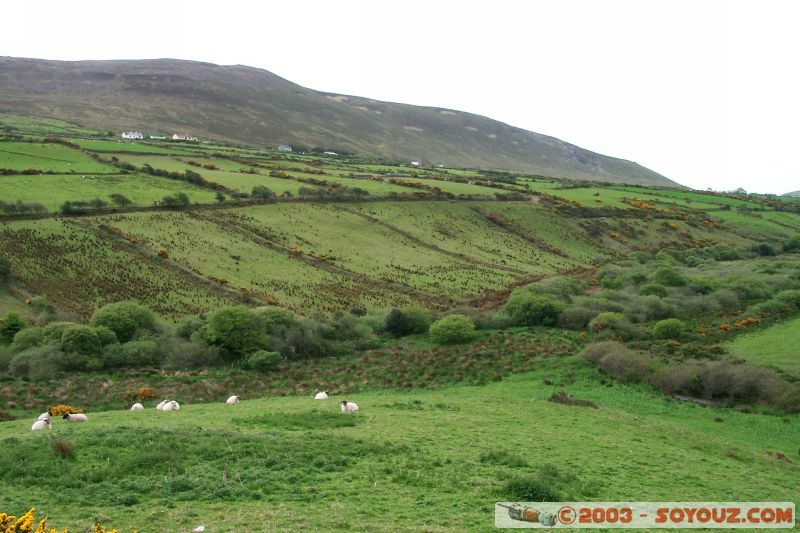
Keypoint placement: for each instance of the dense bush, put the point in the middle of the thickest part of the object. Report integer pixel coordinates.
(655, 289)
(789, 297)
(237, 330)
(527, 309)
(138, 353)
(80, 339)
(452, 329)
(670, 277)
(764, 249)
(189, 326)
(409, 320)
(27, 338)
(273, 317)
(560, 286)
(726, 298)
(264, 361)
(5, 270)
(301, 340)
(179, 353)
(40, 362)
(614, 325)
(671, 328)
(125, 319)
(10, 325)
(616, 360)
(792, 245)
(575, 317)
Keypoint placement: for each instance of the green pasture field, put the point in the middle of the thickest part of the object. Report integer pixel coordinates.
(119, 145)
(754, 224)
(459, 229)
(77, 271)
(294, 463)
(41, 125)
(456, 187)
(365, 247)
(692, 198)
(276, 276)
(49, 157)
(774, 346)
(554, 229)
(54, 190)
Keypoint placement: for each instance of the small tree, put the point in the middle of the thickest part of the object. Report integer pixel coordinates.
(219, 197)
(452, 329)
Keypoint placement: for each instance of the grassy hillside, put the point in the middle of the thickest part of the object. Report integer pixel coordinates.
(256, 107)
(269, 458)
(774, 346)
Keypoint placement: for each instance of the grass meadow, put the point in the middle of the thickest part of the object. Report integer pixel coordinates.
(413, 460)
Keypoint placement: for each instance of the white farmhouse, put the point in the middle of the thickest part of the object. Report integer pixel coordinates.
(284, 148)
(183, 137)
(132, 135)
(415, 163)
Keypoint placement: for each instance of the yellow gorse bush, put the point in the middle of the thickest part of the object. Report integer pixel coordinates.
(61, 410)
(24, 524)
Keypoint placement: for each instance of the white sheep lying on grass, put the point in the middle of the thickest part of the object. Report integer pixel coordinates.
(75, 417)
(349, 407)
(171, 406)
(137, 407)
(233, 399)
(40, 424)
(161, 404)
(321, 396)
(44, 416)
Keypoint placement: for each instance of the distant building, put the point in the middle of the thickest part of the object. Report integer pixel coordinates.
(284, 148)
(330, 153)
(158, 137)
(132, 135)
(415, 163)
(183, 137)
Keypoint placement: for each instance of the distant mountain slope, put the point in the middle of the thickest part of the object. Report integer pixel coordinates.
(795, 193)
(253, 106)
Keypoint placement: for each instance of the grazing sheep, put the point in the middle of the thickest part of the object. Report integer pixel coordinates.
(44, 416)
(232, 400)
(137, 407)
(75, 417)
(171, 406)
(321, 396)
(40, 424)
(349, 407)
(161, 404)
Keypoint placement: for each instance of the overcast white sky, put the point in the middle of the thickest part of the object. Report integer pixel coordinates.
(705, 92)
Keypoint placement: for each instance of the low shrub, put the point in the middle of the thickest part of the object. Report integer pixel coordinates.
(182, 354)
(273, 316)
(138, 353)
(407, 321)
(655, 289)
(614, 325)
(264, 361)
(616, 360)
(40, 362)
(63, 448)
(27, 338)
(527, 309)
(671, 328)
(670, 277)
(452, 329)
(575, 317)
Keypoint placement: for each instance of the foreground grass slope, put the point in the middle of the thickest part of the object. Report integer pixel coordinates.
(387, 467)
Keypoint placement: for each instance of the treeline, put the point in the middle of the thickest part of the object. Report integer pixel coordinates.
(21, 208)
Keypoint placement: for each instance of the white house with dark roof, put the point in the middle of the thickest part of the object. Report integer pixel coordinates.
(132, 135)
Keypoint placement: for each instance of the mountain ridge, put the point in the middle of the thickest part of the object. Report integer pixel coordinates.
(250, 105)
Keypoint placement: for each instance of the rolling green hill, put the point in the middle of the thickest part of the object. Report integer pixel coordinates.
(256, 107)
